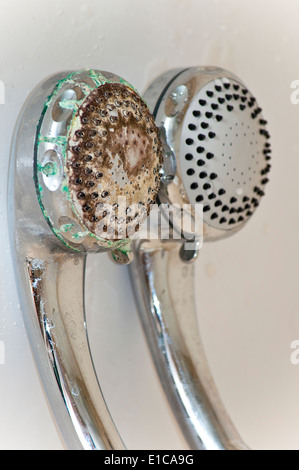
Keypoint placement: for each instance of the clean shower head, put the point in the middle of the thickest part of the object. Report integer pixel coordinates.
(216, 143)
(216, 158)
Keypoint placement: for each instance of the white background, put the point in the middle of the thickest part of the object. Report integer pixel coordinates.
(247, 286)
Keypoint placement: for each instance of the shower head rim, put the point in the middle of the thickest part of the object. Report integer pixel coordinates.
(88, 82)
(193, 79)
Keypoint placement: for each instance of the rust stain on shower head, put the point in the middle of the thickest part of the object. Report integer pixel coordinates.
(114, 156)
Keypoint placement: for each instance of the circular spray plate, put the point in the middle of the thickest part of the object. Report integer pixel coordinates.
(113, 161)
(225, 152)
(97, 160)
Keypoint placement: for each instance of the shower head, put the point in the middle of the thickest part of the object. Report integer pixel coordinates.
(216, 157)
(96, 162)
(86, 167)
(84, 172)
(216, 143)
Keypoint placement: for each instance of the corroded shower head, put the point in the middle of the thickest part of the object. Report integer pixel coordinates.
(84, 172)
(98, 159)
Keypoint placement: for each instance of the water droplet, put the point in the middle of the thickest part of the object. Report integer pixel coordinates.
(176, 101)
(75, 391)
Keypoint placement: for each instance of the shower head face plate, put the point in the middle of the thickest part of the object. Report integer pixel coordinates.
(217, 146)
(97, 161)
(224, 153)
(113, 156)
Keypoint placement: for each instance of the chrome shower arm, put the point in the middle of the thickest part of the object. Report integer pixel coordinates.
(50, 283)
(163, 285)
(59, 278)
(56, 322)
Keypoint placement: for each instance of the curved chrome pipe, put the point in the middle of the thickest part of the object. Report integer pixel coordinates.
(216, 153)
(50, 282)
(49, 258)
(164, 290)
(52, 231)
